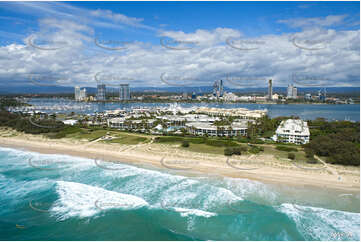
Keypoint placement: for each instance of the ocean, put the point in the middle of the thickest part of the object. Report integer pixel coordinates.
(60, 197)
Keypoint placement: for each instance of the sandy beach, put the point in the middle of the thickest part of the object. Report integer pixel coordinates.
(264, 168)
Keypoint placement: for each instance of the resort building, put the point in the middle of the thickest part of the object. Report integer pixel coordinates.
(293, 131)
(243, 113)
(198, 128)
(123, 123)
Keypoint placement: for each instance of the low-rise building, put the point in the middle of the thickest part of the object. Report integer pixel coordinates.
(70, 122)
(243, 113)
(198, 128)
(293, 131)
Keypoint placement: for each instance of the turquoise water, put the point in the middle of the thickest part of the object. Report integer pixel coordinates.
(58, 197)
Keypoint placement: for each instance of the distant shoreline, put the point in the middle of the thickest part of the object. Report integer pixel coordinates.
(348, 179)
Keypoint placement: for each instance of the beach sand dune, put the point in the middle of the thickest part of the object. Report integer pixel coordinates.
(265, 168)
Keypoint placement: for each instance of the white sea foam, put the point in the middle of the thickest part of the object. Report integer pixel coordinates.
(82, 200)
(185, 212)
(323, 224)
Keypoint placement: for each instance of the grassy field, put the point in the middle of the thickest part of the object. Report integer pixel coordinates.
(128, 140)
(203, 148)
(196, 144)
(87, 134)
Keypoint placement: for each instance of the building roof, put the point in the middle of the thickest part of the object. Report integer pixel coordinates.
(293, 127)
(209, 126)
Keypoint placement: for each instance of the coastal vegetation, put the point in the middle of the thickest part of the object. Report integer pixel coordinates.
(337, 142)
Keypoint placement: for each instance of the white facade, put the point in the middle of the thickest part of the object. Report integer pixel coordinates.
(197, 128)
(291, 91)
(70, 122)
(80, 94)
(293, 131)
(124, 92)
(240, 112)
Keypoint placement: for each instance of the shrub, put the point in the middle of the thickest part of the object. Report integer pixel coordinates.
(255, 149)
(285, 148)
(311, 161)
(213, 142)
(228, 151)
(291, 156)
(185, 143)
(243, 148)
(236, 150)
(309, 153)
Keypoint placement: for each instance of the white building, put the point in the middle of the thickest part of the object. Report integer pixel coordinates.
(293, 131)
(71, 122)
(243, 113)
(80, 94)
(198, 128)
(124, 92)
(230, 97)
(291, 91)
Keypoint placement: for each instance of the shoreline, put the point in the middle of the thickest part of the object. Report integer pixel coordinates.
(213, 165)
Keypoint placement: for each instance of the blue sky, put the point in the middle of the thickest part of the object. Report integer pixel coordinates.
(205, 41)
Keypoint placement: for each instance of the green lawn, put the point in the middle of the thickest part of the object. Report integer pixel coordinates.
(203, 148)
(128, 140)
(87, 134)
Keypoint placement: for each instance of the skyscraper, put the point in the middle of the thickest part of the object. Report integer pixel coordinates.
(82, 94)
(77, 93)
(291, 91)
(218, 88)
(124, 92)
(270, 89)
(294, 92)
(221, 88)
(101, 91)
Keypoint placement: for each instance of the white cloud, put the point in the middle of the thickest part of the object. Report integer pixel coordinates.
(276, 56)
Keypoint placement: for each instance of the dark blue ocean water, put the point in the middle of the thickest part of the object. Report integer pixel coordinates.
(304, 111)
(58, 197)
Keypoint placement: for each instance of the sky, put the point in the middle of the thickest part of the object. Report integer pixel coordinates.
(162, 44)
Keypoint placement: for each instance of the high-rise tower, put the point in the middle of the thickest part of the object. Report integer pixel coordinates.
(101, 91)
(270, 89)
(124, 92)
